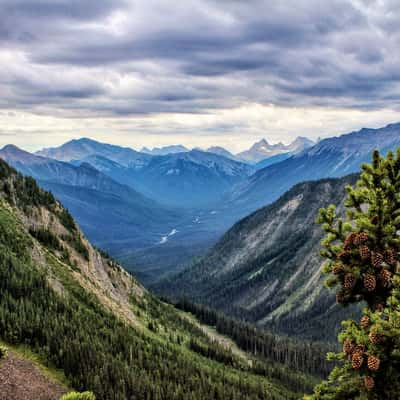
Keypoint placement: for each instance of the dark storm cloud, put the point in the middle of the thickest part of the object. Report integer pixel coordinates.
(121, 57)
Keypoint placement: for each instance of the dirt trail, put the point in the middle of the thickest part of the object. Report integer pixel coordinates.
(20, 379)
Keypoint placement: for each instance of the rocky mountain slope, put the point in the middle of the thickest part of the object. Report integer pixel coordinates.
(266, 268)
(89, 318)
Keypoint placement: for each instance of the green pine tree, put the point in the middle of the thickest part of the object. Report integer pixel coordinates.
(362, 252)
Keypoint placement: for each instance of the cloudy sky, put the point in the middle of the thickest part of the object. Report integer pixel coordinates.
(197, 72)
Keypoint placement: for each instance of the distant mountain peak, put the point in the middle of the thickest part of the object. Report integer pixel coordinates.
(79, 149)
(263, 149)
(10, 152)
(162, 151)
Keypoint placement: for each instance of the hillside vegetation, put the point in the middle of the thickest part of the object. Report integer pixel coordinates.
(83, 314)
(266, 268)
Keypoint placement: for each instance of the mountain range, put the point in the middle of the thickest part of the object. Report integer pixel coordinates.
(331, 157)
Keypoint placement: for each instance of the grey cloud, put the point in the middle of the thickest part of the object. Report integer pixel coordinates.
(209, 54)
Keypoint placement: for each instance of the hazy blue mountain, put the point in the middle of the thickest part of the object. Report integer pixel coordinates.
(162, 151)
(83, 175)
(222, 152)
(79, 149)
(299, 144)
(187, 178)
(262, 149)
(332, 157)
(191, 179)
(265, 269)
(272, 160)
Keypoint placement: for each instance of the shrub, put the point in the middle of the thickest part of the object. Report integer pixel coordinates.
(79, 396)
(3, 351)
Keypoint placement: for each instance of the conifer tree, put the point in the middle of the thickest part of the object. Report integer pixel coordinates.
(362, 260)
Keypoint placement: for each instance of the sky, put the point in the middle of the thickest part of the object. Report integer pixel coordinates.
(196, 72)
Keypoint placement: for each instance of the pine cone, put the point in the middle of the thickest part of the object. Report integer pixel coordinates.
(348, 347)
(363, 237)
(349, 280)
(356, 239)
(375, 337)
(373, 363)
(365, 322)
(369, 282)
(337, 269)
(365, 252)
(369, 382)
(344, 255)
(384, 277)
(350, 241)
(357, 360)
(340, 297)
(376, 259)
(390, 256)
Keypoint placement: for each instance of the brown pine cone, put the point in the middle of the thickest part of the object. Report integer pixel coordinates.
(369, 282)
(384, 277)
(357, 360)
(356, 239)
(369, 382)
(390, 256)
(350, 241)
(376, 259)
(340, 297)
(375, 337)
(365, 322)
(365, 252)
(337, 269)
(363, 237)
(344, 255)
(349, 280)
(348, 347)
(373, 363)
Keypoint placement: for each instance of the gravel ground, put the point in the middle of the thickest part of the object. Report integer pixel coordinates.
(20, 379)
